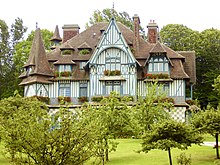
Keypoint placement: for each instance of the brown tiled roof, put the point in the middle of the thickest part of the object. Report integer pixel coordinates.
(66, 45)
(189, 64)
(91, 36)
(158, 48)
(177, 70)
(34, 79)
(37, 59)
(65, 59)
(56, 35)
(84, 45)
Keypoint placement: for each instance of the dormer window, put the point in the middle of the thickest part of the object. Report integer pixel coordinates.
(28, 70)
(64, 68)
(67, 51)
(158, 64)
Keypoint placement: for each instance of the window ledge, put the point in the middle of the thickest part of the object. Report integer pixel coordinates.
(163, 80)
(104, 78)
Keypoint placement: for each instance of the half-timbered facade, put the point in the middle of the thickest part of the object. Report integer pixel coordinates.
(107, 57)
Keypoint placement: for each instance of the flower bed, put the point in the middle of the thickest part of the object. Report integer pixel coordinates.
(157, 76)
(112, 72)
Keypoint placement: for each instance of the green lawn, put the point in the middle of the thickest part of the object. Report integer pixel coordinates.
(126, 155)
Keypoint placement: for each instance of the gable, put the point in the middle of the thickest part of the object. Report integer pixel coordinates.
(112, 38)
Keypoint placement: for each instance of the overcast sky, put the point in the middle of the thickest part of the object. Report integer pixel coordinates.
(195, 14)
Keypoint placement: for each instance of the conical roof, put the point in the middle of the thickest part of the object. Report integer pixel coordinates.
(56, 35)
(37, 60)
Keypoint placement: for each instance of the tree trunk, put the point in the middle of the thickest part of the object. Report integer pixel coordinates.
(106, 150)
(170, 158)
(216, 145)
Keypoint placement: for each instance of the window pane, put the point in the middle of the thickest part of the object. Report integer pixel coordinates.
(67, 68)
(160, 67)
(166, 67)
(150, 69)
(61, 68)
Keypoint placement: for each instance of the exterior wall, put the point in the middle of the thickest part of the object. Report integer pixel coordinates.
(128, 73)
(177, 90)
(30, 90)
(141, 88)
(36, 90)
(178, 113)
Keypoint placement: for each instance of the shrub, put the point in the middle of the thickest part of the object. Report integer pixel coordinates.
(182, 159)
(165, 99)
(83, 99)
(157, 76)
(56, 74)
(65, 74)
(44, 99)
(66, 52)
(63, 100)
(112, 72)
(97, 98)
(84, 51)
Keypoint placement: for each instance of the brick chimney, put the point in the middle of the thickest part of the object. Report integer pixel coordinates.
(152, 35)
(69, 31)
(136, 41)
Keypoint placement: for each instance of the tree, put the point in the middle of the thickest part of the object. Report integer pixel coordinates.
(216, 85)
(169, 134)
(113, 120)
(153, 108)
(208, 66)
(8, 41)
(32, 134)
(106, 14)
(208, 122)
(207, 47)
(179, 37)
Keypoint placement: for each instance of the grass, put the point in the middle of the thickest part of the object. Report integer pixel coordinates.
(126, 155)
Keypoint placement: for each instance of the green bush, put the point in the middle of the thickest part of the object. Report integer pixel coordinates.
(63, 100)
(183, 159)
(66, 52)
(83, 99)
(44, 99)
(84, 51)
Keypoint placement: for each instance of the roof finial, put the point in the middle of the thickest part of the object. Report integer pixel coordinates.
(113, 9)
(36, 25)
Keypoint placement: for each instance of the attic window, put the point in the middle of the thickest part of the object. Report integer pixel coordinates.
(28, 70)
(84, 52)
(67, 52)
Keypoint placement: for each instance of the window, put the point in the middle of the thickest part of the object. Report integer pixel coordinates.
(28, 71)
(158, 64)
(113, 61)
(82, 64)
(64, 90)
(63, 68)
(83, 89)
(112, 86)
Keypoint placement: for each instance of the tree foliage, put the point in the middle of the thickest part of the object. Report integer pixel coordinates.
(31, 135)
(153, 108)
(170, 134)
(206, 44)
(106, 14)
(179, 37)
(8, 40)
(113, 118)
(208, 122)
